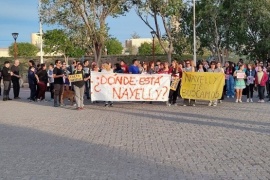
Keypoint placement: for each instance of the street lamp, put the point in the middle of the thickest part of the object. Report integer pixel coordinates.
(15, 36)
(194, 34)
(153, 33)
(40, 34)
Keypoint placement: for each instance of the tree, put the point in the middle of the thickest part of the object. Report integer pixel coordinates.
(114, 47)
(135, 36)
(24, 50)
(147, 48)
(57, 42)
(90, 15)
(168, 11)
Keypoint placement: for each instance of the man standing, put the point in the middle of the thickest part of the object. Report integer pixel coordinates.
(16, 79)
(86, 70)
(58, 83)
(134, 69)
(6, 73)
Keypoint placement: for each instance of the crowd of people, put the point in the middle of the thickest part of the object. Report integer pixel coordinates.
(240, 79)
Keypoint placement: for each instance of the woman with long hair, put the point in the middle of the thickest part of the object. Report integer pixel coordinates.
(250, 74)
(229, 72)
(239, 83)
(42, 82)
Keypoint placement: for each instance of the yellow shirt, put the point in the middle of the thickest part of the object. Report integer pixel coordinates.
(260, 75)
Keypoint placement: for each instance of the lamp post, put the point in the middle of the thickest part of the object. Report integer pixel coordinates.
(15, 36)
(194, 34)
(153, 33)
(40, 34)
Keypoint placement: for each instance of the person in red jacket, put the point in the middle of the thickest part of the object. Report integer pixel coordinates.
(260, 82)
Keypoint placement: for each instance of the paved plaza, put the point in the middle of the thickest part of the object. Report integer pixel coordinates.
(134, 141)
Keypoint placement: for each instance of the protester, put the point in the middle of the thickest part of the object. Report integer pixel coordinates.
(189, 68)
(250, 74)
(51, 80)
(32, 81)
(124, 66)
(213, 69)
(219, 69)
(118, 68)
(79, 86)
(151, 68)
(134, 69)
(175, 77)
(201, 68)
(86, 70)
(58, 84)
(229, 72)
(260, 82)
(239, 83)
(42, 82)
(107, 69)
(16, 79)
(6, 73)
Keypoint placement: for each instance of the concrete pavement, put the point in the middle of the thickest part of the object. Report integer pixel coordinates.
(134, 141)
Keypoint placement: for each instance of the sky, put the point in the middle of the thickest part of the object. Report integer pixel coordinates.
(21, 16)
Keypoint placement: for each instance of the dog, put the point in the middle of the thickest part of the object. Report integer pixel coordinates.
(68, 94)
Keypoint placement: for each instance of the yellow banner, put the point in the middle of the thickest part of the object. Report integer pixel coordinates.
(75, 77)
(202, 86)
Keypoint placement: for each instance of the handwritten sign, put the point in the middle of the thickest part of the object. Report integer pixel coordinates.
(75, 77)
(129, 87)
(202, 86)
(174, 84)
(240, 75)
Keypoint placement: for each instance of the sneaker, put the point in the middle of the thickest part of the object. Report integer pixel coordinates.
(210, 104)
(262, 101)
(232, 96)
(106, 105)
(236, 100)
(62, 105)
(259, 101)
(184, 105)
(175, 104)
(111, 105)
(228, 96)
(214, 104)
(220, 101)
(251, 100)
(193, 105)
(168, 104)
(247, 100)
(240, 100)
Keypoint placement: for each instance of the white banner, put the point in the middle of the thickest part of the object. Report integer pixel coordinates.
(129, 87)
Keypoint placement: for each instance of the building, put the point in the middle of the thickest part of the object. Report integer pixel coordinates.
(4, 52)
(132, 45)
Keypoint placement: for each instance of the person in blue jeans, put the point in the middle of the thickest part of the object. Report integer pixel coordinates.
(229, 71)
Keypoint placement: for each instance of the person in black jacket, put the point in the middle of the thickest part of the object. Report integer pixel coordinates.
(42, 82)
(6, 73)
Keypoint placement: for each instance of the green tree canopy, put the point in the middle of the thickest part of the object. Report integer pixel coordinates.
(57, 42)
(24, 49)
(114, 46)
(147, 48)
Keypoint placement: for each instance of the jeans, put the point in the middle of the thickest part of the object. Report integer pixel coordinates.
(261, 90)
(7, 85)
(79, 93)
(250, 89)
(52, 90)
(230, 86)
(58, 94)
(33, 91)
(87, 88)
(16, 87)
